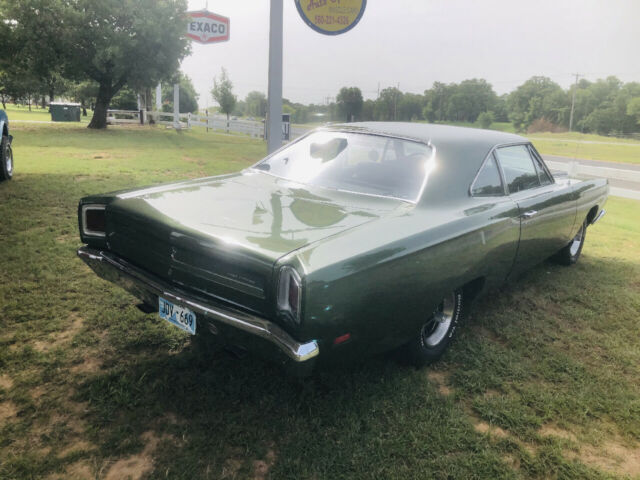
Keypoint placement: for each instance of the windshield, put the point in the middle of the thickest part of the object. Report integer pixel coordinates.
(361, 163)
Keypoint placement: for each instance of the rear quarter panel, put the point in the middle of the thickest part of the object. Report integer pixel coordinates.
(590, 193)
(381, 281)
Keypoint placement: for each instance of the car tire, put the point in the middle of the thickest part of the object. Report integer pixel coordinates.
(437, 333)
(571, 252)
(6, 159)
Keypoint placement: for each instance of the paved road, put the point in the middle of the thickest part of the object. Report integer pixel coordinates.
(613, 171)
(595, 163)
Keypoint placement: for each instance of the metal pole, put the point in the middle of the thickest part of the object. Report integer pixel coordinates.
(573, 101)
(176, 106)
(274, 114)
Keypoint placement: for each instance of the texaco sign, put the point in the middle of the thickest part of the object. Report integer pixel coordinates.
(207, 27)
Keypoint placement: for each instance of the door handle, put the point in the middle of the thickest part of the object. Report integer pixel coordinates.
(529, 214)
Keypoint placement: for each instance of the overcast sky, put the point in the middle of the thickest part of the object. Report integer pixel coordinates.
(416, 42)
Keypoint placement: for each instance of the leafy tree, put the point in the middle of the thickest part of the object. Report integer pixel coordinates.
(256, 104)
(633, 108)
(187, 95)
(222, 92)
(485, 119)
(112, 42)
(84, 93)
(538, 97)
(125, 99)
(411, 107)
(349, 101)
(387, 104)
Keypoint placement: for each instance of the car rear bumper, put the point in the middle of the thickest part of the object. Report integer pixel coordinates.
(148, 288)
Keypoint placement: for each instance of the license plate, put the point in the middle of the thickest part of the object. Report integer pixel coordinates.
(181, 317)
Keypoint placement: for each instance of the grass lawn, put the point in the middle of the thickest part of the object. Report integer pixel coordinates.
(589, 147)
(543, 382)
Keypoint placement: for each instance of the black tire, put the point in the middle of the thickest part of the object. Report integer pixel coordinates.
(6, 159)
(437, 333)
(571, 252)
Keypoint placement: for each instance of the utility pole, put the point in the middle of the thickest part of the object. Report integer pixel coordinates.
(573, 100)
(274, 115)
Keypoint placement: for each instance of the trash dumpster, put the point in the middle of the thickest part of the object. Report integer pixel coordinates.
(64, 112)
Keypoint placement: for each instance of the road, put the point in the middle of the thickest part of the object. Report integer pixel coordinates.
(624, 178)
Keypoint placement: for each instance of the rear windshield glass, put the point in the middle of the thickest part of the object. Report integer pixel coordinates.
(361, 163)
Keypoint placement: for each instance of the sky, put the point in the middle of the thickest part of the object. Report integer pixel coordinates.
(413, 43)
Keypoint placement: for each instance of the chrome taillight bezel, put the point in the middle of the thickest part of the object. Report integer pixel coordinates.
(87, 231)
(287, 278)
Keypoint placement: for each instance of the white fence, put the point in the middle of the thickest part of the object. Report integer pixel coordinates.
(578, 169)
(187, 120)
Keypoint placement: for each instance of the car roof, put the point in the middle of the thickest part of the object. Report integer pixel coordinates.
(438, 135)
(460, 151)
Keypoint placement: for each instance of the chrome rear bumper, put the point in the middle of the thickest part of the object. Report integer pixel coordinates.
(600, 215)
(148, 289)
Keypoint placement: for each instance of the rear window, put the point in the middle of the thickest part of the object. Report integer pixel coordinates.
(519, 172)
(361, 163)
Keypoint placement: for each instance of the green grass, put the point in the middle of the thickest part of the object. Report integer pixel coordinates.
(543, 382)
(589, 147)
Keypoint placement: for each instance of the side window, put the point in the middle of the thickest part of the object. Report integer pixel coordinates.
(488, 181)
(545, 179)
(519, 172)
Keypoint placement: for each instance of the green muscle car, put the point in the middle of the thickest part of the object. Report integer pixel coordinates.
(351, 240)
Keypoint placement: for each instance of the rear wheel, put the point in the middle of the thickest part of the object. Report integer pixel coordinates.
(6, 159)
(438, 331)
(571, 252)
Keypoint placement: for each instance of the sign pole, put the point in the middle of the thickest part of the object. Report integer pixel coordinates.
(176, 106)
(274, 113)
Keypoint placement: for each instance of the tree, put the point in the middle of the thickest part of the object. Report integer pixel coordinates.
(256, 104)
(187, 95)
(349, 102)
(387, 104)
(222, 92)
(633, 108)
(538, 97)
(485, 119)
(112, 42)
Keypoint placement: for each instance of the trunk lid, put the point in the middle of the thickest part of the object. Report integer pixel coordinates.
(221, 236)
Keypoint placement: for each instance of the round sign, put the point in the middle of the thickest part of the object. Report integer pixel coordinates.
(331, 17)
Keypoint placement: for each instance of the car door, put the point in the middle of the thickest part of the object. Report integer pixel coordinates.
(547, 209)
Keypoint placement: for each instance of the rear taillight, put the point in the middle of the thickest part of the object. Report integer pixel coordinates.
(290, 293)
(93, 220)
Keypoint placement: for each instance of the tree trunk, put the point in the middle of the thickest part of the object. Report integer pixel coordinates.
(51, 93)
(105, 94)
(4, 105)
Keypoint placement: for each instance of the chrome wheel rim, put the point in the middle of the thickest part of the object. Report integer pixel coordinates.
(9, 161)
(434, 331)
(575, 243)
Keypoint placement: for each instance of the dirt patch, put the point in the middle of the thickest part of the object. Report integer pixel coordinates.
(551, 430)
(484, 427)
(261, 467)
(197, 161)
(440, 379)
(90, 364)
(76, 471)
(7, 410)
(73, 326)
(6, 383)
(612, 456)
(135, 466)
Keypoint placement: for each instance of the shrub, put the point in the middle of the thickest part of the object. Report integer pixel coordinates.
(485, 119)
(545, 125)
